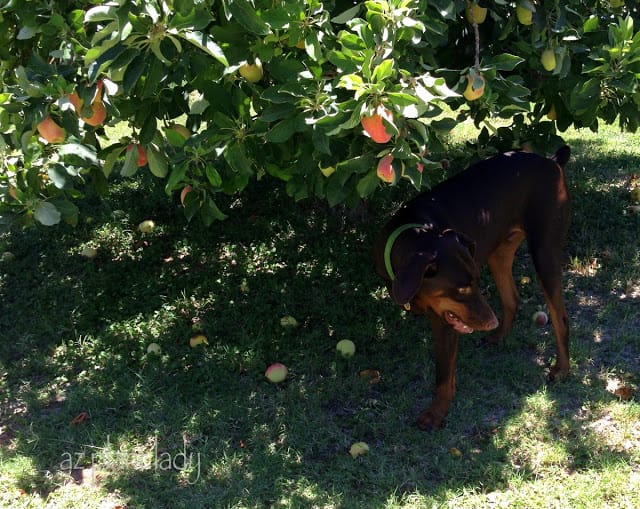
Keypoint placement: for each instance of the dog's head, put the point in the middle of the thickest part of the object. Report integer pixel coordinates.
(437, 272)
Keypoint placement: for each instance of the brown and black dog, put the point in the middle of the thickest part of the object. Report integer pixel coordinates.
(430, 252)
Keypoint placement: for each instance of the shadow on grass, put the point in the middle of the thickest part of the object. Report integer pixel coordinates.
(200, 427)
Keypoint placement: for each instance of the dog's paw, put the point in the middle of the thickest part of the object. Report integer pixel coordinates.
(428, 420)
(557, 373)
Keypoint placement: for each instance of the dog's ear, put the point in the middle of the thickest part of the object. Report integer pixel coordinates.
(467, 242)
(464, 241)
(409, 276)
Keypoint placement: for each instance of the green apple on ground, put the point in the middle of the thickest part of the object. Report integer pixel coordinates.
(89, 252)
(7, 256)
(198, 339)
(346, 347)
(276, 373)
(146, 226)
(154, 348)
(288, 321)
(635, 194)
(358, 449)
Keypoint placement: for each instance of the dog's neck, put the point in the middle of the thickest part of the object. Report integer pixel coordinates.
(391, 239)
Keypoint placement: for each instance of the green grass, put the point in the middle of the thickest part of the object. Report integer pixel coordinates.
(74, 334)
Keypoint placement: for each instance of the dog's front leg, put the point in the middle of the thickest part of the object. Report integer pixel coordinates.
(445, 347)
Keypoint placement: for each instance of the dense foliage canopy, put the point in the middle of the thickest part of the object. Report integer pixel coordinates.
(337, 98)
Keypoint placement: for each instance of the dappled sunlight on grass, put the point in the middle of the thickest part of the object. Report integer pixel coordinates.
(202, 427)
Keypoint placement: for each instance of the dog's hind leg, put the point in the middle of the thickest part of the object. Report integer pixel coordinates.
(500, 263)
(547, 258)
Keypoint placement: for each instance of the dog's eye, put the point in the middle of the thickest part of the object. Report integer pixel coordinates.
(465, 290)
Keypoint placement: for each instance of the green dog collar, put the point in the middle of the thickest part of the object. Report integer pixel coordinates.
(389, 245)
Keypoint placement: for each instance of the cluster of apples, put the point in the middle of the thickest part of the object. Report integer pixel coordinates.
(374, 126)
(94, 115)
(524, 14)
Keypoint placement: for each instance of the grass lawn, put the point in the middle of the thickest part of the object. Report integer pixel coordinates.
(90, 418)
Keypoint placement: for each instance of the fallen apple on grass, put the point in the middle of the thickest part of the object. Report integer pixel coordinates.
(146, 226)
(89, 252)
(276, 373)
(288, 321)
(540, 318)
(7, 256)
(198, 339)
(346, 348)
(358, 449)
(154, 348)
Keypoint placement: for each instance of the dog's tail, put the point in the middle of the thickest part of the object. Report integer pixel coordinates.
(562, 155)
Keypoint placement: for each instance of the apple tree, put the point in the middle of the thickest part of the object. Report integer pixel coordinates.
(336, 98)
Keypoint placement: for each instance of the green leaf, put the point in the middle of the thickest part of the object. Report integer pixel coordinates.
(205, 43)
(246, 15)
(282, 131)
(351, 82)
(84, 153)
(100, 13)
(337, 192)
(503, 62)
(58, 175)
(277, 112)
(347, 15)
(68, 211)
(46, 213)
(213, 176)
(237, 159)
(149, 130)
(591, 24)
(383, 70)
(368, 184)
(130, 166)
(157, 160)
(176, 177)
(26, 32)
(110, 160)
(133, 72)
(210, 212)
(175, 139)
